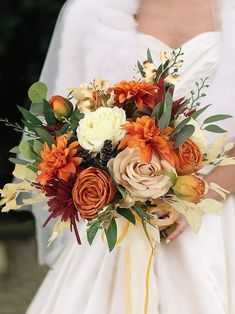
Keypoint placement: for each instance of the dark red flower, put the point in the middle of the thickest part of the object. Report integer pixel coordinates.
(61, 202)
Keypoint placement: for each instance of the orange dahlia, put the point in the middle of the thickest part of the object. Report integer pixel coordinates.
(143, 94)
(60, 160)
(144, 134)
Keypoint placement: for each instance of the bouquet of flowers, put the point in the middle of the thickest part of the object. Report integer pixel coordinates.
(122, 158)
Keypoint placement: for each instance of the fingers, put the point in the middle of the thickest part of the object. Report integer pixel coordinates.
(181, 226)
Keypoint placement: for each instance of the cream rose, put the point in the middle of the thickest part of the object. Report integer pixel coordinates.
(100, 125)
(198, 136)
(143, 181)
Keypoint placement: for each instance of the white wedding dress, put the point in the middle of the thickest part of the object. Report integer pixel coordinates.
(195, 273)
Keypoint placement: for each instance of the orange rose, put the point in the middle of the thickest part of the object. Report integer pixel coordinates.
(61, 107)
(188, 158)
(189, 188)
(92, 190)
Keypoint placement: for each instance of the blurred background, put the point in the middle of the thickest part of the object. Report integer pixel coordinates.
(26, 27)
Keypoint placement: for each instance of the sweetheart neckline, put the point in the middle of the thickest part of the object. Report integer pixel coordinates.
(187, 42)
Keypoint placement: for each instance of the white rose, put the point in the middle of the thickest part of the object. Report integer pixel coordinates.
(100, 125)
(198, 136)
(143, 181)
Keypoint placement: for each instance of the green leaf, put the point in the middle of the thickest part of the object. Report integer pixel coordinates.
(33, 168)
(75, 118)
(141, 69)
(197, 113)
(217, 117)
(180, 126)
(48, 113)
(37, 108)
(63, 130)
(149, 56)
(111, 234)
(142, 213)
(215, 129)
(26, 149)
(183, 135)
(127, 213)
(37, 147)
(91, 233)
(14, 150)
(45, 136)
(37, 92)
(29, 117)
(172, 176)
(165, 119)
(18, 161)
(158, 110)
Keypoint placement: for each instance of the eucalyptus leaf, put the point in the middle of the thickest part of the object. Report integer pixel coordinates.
(48, 113)
(141, 212)
(75, 118)
(18, 161)
(63, 130)
(164, 120)
(215, 129)
(180, 126)
(37, 92)
(111, 234)
(45, 136)
(26, 149)
(141, 69)
(217, 117)
(37, 147)
(37, 108)
(14, 150)
(91, 233)
(183, 135)
(29, 117)
(127, 213)
(149, 56)
(197, 113)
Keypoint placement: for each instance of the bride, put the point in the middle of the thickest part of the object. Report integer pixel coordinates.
(195, 273)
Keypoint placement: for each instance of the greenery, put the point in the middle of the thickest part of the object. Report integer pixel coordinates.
(26, 27)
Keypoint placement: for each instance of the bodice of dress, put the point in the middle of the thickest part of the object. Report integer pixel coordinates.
(200, 56)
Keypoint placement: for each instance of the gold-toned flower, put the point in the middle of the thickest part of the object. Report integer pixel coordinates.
(143, 181)
(91, 96)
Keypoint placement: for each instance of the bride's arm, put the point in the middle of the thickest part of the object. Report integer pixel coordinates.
(223, 176)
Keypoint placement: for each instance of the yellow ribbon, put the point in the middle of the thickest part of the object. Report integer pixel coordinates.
(157, 222)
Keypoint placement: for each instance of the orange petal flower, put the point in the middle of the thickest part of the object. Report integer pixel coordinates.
(144, 134)
(143, 94)
(92, 190)
(60, 160)
(188, 158)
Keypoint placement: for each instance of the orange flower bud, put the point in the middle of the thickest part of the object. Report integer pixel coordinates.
(189, 188)
(61, 107)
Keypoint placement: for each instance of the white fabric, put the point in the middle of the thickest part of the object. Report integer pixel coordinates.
(196, 273)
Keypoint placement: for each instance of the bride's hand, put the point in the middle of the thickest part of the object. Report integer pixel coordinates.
(181, 225)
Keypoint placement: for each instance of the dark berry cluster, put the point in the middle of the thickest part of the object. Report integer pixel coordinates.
(85, 155)
(106, 152)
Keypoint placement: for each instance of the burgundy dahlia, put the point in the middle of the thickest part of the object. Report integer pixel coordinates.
(61, 202)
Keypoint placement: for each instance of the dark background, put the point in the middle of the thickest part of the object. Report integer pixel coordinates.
(26, 27)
